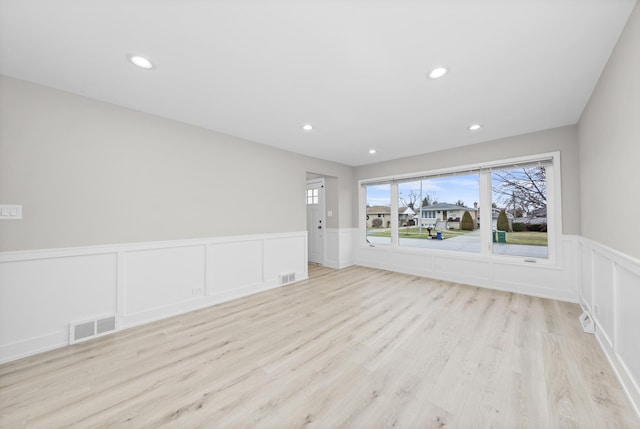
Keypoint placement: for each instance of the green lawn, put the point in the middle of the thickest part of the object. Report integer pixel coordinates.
(530, 238)
(414, 232)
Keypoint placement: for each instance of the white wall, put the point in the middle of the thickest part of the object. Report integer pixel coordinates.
(564, 140)
(211, 217)
(90, 173)
(610, 149)
(42, 292)
(610, 291)
(556, 281)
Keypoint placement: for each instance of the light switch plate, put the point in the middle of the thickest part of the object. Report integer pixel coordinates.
(10, 211)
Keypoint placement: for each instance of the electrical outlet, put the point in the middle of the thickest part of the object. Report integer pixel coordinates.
(596, 308)
(197, 291)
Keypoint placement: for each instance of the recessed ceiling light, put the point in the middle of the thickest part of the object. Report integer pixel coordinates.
(372, 151)
(438, 72)
(474, 127)
(307, 127)
(141, 62)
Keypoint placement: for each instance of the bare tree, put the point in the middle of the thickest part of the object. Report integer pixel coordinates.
(429, 200)
(460, 203)
(521, 188)
(411, 199)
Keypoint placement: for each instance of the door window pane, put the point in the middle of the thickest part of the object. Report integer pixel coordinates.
(312, 196)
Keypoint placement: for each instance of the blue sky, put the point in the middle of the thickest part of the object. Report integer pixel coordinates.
(443, 189)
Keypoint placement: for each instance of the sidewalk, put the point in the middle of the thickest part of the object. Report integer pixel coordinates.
(469, 242)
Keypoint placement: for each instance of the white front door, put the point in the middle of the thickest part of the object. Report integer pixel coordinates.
(315, 220)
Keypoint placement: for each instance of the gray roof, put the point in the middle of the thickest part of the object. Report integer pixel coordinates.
(379, 209)
(446, 206)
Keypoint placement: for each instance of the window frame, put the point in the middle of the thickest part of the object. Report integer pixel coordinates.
(554, 209)
(394, 226)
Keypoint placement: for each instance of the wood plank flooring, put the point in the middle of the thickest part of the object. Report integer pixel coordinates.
(355, 348)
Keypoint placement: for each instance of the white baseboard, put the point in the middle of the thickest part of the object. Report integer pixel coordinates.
(622, 372)
(160, 313)
(44, 290)
(542, 280)
(31, 346)
(610, 292)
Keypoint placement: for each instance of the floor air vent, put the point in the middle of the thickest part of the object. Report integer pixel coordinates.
(90, 329)
(287, 278)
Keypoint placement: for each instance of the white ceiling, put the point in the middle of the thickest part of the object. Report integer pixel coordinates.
(355, 69)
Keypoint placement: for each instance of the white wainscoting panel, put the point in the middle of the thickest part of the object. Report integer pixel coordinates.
(235, 266)
(40, 297)
(603, 294)
(157, 279)
(547, 281)
(586, 273)
(285, 255)
(627, 335)
(473, 269)
(332, 247)
(538, 280)
(420, 265)
(614, 280)
(339, 249)
(43, 291)
(348, 237)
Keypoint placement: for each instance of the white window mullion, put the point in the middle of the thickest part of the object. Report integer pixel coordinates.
(486, 224)
(394, 215)
(554, 214)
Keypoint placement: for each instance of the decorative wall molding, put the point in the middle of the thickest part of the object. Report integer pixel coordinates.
(554, 281)
(340, 247)
(44, 290)
(610, 292)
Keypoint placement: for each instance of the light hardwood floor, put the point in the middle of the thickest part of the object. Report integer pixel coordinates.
(357, 348)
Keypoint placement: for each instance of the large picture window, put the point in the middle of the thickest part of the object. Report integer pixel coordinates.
(504, 208)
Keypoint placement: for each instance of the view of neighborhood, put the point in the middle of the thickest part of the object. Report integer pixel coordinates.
(444, 212)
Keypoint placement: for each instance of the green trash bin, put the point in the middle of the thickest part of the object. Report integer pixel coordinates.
(502, 236)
